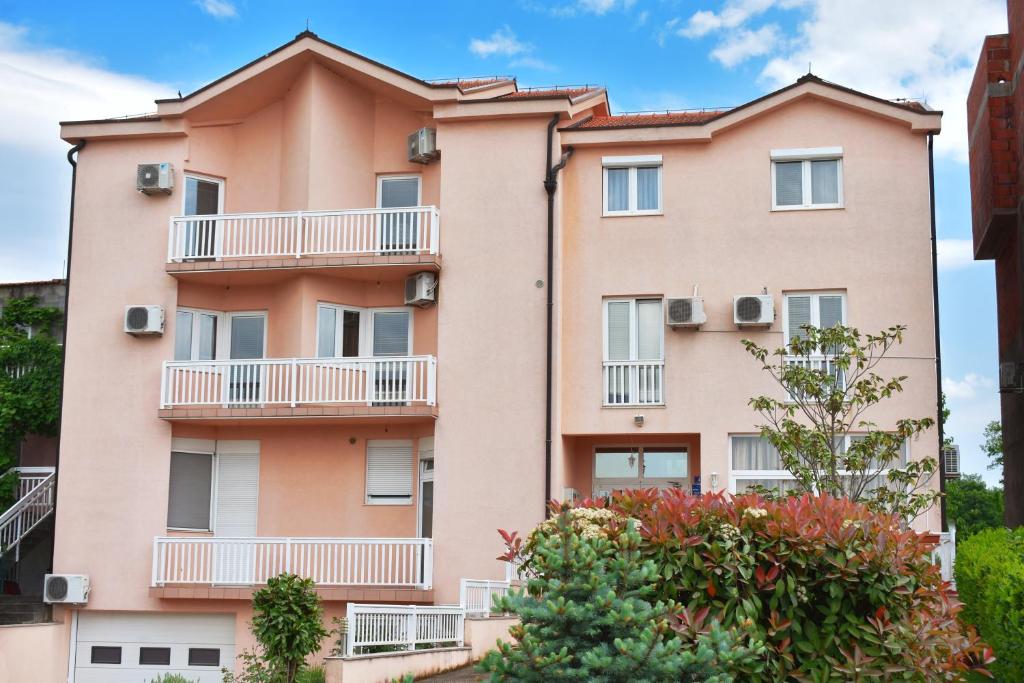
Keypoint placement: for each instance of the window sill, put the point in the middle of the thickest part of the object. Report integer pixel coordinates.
(632, 406)
(630, 214)
(389, 503)
(809, 207)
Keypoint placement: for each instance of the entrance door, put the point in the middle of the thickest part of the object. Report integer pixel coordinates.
(203, 197)
(248, 331)
(399, 230)
(640, 467)
(390, 338)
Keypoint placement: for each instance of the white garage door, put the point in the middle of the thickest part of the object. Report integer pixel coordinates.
(127, 647)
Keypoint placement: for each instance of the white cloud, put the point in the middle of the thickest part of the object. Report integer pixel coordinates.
(968, 387)
(502, 42)
(532, 63)
(955, 254)
(221, 9)
(741, 45)
(973, 402)
(733, 14)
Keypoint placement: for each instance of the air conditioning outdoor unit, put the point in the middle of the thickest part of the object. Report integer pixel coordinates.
(66, 589)
(154, 178)
(685, 312)
(755, 310)
(423, 146)
(144, 320)
(421, 289)
(952, 456)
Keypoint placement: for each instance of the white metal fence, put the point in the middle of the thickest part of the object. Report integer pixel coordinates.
(944, 554)
(634, 382)
(476, 596)
(400, 562)
(823, 364)
(29, 511)
(409, 230)
(402, 627)
(395, 380)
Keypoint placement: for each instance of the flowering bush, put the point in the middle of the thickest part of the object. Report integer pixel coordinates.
(834, 590)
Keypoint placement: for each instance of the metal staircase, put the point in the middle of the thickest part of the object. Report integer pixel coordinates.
(34, 505)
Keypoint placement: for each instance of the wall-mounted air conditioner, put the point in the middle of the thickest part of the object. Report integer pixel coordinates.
(754, 310)
(144, 319)
(685, 312)
(421, 289)
(66, 589)
(155, 178)
(423, 146)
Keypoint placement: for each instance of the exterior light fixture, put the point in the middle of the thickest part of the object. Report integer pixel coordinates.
(638, 420)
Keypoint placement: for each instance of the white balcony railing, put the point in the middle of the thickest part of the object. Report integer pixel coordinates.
(402, 627)
(634, 382)
(212, 560)
(476, 596)
(823, 364)
(410, 230)
(33, 506)
(387, 380)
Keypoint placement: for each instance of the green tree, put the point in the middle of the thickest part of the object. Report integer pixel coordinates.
(587, 615)
(29, 382)
(993, 444)
(829, 379)
(973, 506)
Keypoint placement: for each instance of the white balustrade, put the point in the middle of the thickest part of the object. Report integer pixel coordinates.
(634, 382)
(409, 230)
(822, 364)
(476, 596)
(944, 553)
(402, 627)
(387, 380)
(29, 511)
(213, 560)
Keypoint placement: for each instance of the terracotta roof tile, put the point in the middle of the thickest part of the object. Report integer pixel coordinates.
(649, 119)
(547, 93)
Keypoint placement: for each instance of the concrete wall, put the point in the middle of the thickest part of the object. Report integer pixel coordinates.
(34, 652)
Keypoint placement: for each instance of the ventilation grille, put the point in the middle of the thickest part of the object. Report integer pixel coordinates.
(149, 176)
(56, 588)
(680, 310)
(748, 309)
(137, 318)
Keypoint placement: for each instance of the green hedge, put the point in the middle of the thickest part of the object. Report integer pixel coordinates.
(990, 580)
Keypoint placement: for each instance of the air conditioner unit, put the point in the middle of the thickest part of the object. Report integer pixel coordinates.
(144, 319)
(66, 589)
(421, 289)
(951, 454)
(686, 312)
(423, 146)
(755, 310)
(153, 178)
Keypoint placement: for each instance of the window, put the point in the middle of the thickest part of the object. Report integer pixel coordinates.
(807, 178)
(821, 310)
(339, 330)
(155, 656)
(399, 230)
(190, 492)
(105, 654)
(633, 352)
(203, 196)
(756, 462)
(632, 185)
(389, 472)
(640, 467)
(203, 656)
(195, 334)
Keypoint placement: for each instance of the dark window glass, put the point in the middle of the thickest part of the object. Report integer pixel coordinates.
(105, 654)
(203, 656)
(155, 656)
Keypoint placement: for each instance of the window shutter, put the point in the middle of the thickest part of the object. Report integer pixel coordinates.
(188, 498)
(327, 321)
(789, 183)
(830, 309)
(647, 188)
(618, 330)
(391, 333)
(649, 329)
(247, 336)
(237, 486)
(825, 182)
(618, 189)
(799, 311)
(399, 192)
(183, 335)
(389, 470)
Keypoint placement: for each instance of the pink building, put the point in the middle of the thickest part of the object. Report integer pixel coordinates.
(351, 377)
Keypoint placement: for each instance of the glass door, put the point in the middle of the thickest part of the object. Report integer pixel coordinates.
(640, 467)
(390, 337)
(426, 499)
(203, 197)
(248, 332)
(398, 231)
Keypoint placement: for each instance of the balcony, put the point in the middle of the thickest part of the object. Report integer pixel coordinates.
(343, 568)
(222, 243)
(634, 383)
(312, 388)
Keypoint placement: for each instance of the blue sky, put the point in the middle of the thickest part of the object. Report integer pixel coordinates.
(83, 60)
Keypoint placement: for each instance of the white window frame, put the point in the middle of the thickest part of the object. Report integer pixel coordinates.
(206, 178)
(402, 176)
(389, 309)
(224, 350)
(634, 327)
(339, 322)
(390, 502)
(806, 156)
(196, 312)
(632, 163)
(747, 475)
(815, 307)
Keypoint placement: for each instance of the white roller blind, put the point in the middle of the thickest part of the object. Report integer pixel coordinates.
(649, 329)
(618, 330)
(247, 336)
(389, 471)
(789, 183)
(798, 310)
(391, 333)
(237, 487)
(399, 192)
(830, 308)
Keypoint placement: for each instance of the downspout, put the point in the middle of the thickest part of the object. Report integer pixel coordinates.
(938, 352)
(72, 153)
(550, 186)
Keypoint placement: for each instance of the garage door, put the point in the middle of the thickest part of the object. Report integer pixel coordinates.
(127, 647)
